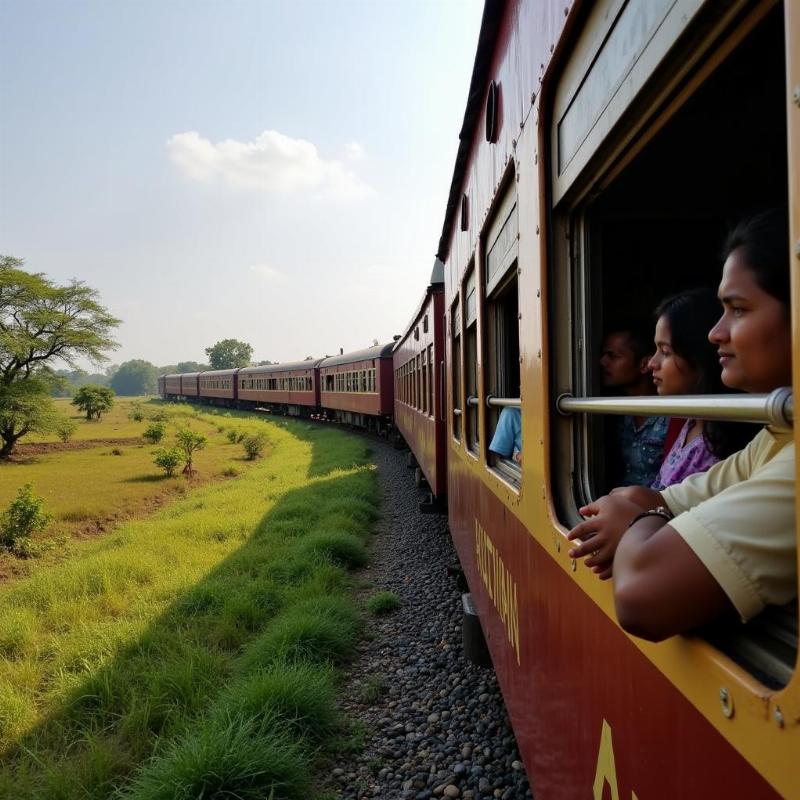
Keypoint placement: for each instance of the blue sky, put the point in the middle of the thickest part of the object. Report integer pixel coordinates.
(275, 172)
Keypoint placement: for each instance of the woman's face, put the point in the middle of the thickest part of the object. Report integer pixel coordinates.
(671, 373)
(753, 336)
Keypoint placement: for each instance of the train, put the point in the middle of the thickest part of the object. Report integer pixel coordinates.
(606, 146)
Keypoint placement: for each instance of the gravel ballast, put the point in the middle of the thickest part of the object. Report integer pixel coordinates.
(434, 723)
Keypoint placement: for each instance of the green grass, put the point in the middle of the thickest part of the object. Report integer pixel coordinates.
(192, 653)
(382, 603)
(93, 488)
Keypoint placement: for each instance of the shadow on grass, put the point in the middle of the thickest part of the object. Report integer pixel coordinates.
(150, 478)
(229, 692)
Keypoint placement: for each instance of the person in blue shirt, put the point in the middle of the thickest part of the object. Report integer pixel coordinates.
(625, 371)
(507, 439)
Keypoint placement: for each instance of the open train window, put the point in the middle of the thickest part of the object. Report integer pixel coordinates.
(711, 149)
(471, 361)
(455, 366)
(431, 411)
(502, 339)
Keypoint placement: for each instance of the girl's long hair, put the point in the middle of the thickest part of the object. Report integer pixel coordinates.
(690, 316)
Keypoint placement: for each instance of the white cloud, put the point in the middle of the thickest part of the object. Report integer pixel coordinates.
(271, 162)
(267, 272)
(354, 151)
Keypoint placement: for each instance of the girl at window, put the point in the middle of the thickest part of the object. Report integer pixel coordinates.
(723, 541)
(685, 362)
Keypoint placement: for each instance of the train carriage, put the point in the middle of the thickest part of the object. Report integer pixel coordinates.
(190, 385)
(289, 388)
(172, 386)
(606, 146)
(218, 385)
(418, 360)
(358, 388)
(162, 386)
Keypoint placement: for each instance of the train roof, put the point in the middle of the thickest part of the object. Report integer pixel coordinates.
(490, 25)
(437, 282)
(289, 365)
(378, 351)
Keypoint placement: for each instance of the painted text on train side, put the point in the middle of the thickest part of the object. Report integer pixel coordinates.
(501, 587)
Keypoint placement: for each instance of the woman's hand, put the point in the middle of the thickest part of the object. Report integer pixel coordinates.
(608, 519)
(641, 495)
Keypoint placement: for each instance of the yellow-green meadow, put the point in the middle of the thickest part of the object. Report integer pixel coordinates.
(189, 652)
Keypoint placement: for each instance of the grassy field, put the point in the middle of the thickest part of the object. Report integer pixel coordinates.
(89, 487)
(192, 653)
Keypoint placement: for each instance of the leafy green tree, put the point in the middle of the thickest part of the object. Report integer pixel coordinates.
(189, 441)
(135, 377)
(168, 459)
(42, 323)
(94, 400)
(25, 407)
(229, 354)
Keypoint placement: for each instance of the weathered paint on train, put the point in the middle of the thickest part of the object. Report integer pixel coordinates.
(290, 397)
(377, 403)
(596, 712)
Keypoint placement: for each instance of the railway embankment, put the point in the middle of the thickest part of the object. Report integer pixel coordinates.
(433, 724)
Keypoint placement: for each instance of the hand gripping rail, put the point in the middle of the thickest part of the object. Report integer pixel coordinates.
(775, 408)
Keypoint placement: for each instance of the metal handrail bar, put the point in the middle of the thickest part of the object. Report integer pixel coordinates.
(775, 408)
(473, 401)
(456, 412)
(503, 402)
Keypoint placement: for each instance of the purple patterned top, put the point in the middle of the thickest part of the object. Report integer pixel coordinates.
(684, 459)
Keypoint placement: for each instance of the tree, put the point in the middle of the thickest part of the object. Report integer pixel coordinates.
(229, 354)
(94, 400)
(42, 323)
(23, 517)
(190, 366)
(135, 377)
(189, 442)
(25, 407)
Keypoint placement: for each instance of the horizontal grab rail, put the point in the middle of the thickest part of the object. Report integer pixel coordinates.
(775, 408)
(503, 402)
(473, 401)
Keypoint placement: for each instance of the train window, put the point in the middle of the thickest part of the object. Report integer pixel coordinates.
(455, 367)
(431, 376)
(652, 226)
(424, 370)
(471, 361)
(502, 338)
(419, 387)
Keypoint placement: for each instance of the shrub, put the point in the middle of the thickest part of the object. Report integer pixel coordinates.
(116, 451)
(65, 428)
(189, 441)
(168, 459)
(383, 603)
(154, 432)
(136, 412)
(230, 471)
(254, 445)
(232, 436)
(23, 517)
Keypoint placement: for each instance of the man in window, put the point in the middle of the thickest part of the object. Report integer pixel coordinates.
(638, 441)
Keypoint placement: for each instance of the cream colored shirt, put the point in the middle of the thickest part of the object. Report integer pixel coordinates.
(739, 520)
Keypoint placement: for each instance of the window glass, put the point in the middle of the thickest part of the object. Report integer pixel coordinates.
(471, 363)
(455, 368)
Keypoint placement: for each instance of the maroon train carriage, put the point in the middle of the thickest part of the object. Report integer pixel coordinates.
(162, 386)
(358, 388)
(172, 386)
(291, 389)
(190, 385)
(419, 411)
(218, 386)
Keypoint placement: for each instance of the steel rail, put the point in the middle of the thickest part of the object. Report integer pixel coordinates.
(503, 402)
(775, 408)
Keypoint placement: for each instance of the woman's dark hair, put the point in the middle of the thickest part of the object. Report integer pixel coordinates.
(764, 240)
(690, 316)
